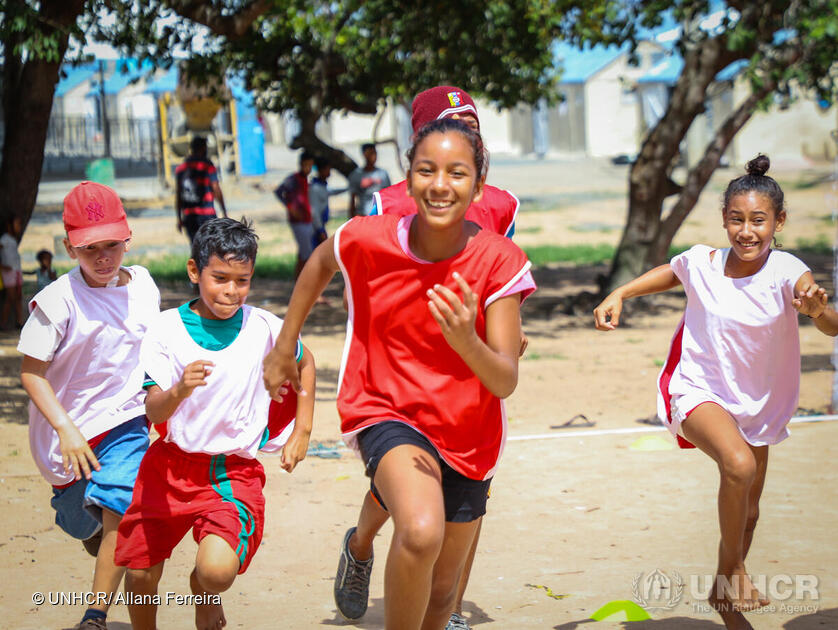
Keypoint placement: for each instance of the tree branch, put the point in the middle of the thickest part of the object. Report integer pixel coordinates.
(231, 26)
(700, 174)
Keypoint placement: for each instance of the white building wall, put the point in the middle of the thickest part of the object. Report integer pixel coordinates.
(354, 129)
(76, 102)
(612, 106)
(793, 135)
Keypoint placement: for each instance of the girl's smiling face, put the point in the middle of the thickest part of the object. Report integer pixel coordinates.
(443, 178)
(751, 222)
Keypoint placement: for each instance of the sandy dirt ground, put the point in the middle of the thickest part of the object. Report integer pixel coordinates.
(578, 517)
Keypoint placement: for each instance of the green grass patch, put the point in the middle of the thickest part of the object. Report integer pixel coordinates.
(582, 254)
(819, 246)
(576, 254)
(658, 363)
(537, 356)
(534, 229)
(172, 267)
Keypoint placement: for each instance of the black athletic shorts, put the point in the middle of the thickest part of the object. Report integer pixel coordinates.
(465, 499)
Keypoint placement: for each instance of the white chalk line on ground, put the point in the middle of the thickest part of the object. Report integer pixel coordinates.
(595, 432)
(592, 432)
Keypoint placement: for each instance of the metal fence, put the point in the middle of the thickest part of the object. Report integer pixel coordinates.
(83, 137)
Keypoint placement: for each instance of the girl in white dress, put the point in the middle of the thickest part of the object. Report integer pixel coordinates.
(731, 380)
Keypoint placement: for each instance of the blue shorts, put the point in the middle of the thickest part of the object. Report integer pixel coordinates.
(78, 507)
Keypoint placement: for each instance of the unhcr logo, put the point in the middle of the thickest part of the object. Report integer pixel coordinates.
(657, 590)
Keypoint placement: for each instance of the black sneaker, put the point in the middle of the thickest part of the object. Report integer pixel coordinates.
(352, 582)
(457, 622)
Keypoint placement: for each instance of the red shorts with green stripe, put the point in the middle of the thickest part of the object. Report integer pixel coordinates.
(177, 491)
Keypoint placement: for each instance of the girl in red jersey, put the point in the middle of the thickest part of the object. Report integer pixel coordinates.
(432, 347)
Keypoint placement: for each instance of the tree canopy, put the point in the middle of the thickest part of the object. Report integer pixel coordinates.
(310, 57)
(783, 44)
(313, 58)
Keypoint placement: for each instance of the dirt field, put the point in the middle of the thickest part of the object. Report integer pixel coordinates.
(586, 515)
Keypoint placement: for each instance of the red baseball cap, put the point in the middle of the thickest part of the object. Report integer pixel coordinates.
(92, 213)
(442, 101)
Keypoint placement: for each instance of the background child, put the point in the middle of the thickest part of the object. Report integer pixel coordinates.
(204, 366)
(293, 193)
(365, 181)
(730, 383)
(81, 368)
(44, 274)
(495, 211)
(422, 400)
(197, 189)
(12, 273)
(318, 195)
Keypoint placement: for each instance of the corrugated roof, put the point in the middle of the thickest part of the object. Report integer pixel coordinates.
(75, 77)
(580, 65)
(668, 71)
(164, 83)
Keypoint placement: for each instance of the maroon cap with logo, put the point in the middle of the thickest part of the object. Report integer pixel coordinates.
(443, 101)
(92, 213)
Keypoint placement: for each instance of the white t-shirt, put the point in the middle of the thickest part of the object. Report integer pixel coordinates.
(91, 336)
(740, 346)
(9, 254)
(229, 414)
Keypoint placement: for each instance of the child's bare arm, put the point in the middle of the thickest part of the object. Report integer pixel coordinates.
(812, 300)
(76, 454)
(295, 449)
(160, 404)
(495, 361)
(657, 280)
(280, 364)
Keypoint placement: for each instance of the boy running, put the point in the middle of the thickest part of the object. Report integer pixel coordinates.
(81, 369)
(204, 367)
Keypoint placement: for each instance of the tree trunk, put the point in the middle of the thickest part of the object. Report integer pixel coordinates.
(649, 175)
(28, 103)
(308, 140)
(700, 174)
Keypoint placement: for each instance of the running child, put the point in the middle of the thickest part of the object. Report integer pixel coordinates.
(81, 369)
(494, 211)
(433, 339)
(203, 362)
(718, 389)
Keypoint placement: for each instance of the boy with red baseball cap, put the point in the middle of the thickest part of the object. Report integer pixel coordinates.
(81, 369)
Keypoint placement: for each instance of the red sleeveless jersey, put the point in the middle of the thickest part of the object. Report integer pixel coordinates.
(496, 210)
(396, 363)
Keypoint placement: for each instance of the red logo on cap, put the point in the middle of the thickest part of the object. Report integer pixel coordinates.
(95, 210)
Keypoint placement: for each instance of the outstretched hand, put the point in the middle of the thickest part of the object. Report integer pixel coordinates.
(811, 300)
(607, 314)
(295, 450)
(280, 369)
(455, 318)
